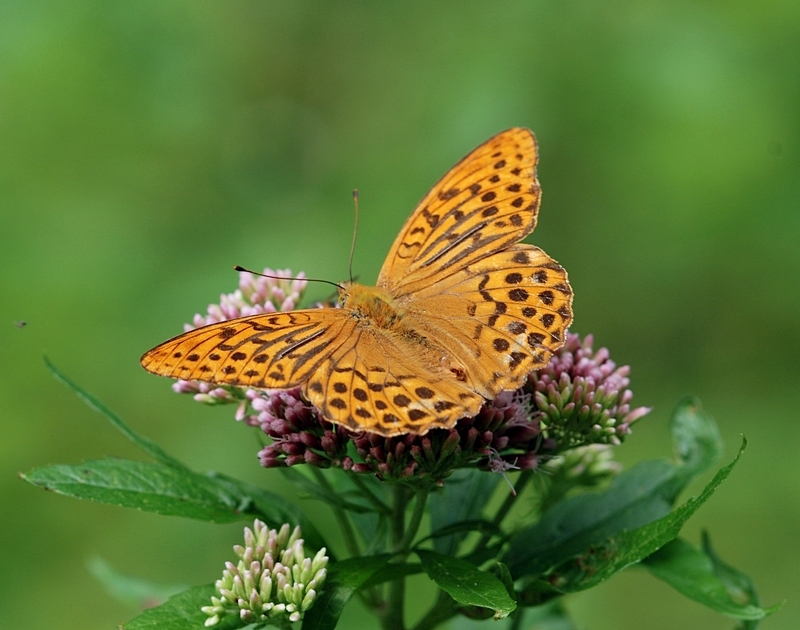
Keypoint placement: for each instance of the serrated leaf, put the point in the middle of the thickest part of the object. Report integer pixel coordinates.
(131, 590)
(703, 578)
(147, 445)
(466, 584)
(344, 579)
(172, 491)
(182, 612)
(602, 560)
(143, 485)
(462, 498)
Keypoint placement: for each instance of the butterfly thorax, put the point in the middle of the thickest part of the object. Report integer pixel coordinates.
(371, 305)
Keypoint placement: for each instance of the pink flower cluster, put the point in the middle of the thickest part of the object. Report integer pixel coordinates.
(580, 398)
(500, 437)
(583, 396)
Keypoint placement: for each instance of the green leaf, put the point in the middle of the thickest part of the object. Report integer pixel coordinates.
(182, 612)
(702, 577)
(504, 575)
(466, 584)
(600, 561)
(131, 590)
(147, 445)
(143, 485)
(636, 497)
(174, 492)
(462, 498)
(695, 437)
(344, 579)
(735, 581)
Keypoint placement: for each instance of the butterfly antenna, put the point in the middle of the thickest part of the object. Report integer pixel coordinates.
(266, 275)
(355, 233)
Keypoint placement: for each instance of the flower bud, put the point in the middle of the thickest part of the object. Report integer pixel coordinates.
(247, 589)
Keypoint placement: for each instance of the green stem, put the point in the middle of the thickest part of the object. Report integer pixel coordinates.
(401, 538)
(393, 617)
(413, 525)
(350, 540)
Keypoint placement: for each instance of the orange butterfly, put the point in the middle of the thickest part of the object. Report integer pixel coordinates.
(460, 312)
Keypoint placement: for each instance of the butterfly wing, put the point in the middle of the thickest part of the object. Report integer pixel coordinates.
(271, 350)
(502, 316)
(483, 205)
(389, 385)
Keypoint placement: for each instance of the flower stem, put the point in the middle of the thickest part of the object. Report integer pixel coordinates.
(393, 617)
(416, 518)
(401, 539)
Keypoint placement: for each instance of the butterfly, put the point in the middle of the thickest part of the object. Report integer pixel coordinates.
(460, 312)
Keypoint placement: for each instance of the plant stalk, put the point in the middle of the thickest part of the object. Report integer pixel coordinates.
(393, 617)
(413, 525)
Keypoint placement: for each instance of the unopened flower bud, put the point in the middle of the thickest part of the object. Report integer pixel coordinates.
(247, 589)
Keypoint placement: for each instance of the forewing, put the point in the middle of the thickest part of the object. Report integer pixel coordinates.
(484, 204)
(385, 385)
(503, 317)
(273, 350)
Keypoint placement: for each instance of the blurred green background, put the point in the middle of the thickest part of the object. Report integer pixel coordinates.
(146, 148)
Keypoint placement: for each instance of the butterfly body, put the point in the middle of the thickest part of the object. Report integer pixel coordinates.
(461, 311)
(372, 305)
